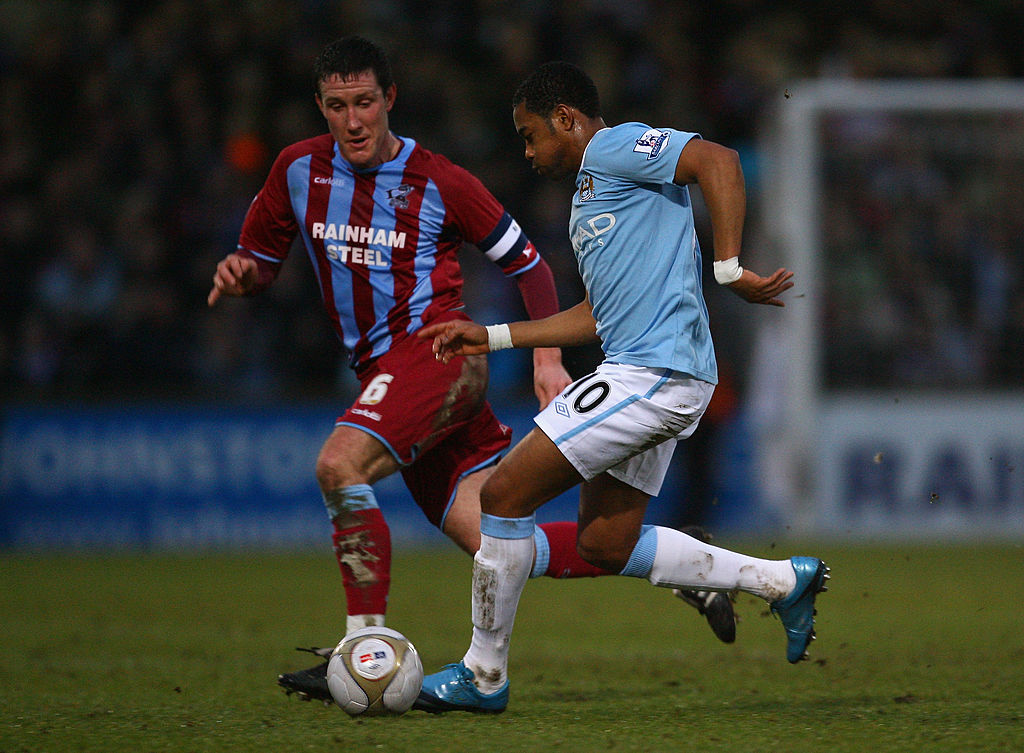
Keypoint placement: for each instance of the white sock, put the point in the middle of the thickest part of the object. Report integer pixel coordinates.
(681, 561)
(500, 570)
(355, 621)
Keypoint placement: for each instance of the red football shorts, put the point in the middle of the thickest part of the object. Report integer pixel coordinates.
(433, 418)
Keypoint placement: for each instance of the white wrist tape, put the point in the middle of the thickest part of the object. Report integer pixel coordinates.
(499, 337)
(728, 271)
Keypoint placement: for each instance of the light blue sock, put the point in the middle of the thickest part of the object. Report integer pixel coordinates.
(541, 552)
(347, 499)
(641, 561)
(507, 528)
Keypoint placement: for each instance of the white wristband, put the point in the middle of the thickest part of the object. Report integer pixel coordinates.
(499, 337)
(728, 271)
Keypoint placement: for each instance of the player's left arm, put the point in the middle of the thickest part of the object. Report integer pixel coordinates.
(716, 169)
(537, 287)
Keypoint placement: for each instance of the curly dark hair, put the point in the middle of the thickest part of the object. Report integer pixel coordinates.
(350, 56)
(558, 83)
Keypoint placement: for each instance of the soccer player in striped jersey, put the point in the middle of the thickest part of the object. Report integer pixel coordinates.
(382, 219)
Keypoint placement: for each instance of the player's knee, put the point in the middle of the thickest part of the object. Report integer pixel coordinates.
(332, 472)
(326, 475)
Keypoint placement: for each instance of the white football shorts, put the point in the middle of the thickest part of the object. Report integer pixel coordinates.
(625, 420)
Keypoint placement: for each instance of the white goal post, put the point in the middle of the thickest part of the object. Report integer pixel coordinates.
(908, 457)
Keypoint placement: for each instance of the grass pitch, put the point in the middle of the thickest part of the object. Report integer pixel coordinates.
(920, 649)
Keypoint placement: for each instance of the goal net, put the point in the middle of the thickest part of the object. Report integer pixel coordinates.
(888, 396)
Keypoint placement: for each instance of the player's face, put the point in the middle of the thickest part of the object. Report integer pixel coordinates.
(356, 109)
(548, 148)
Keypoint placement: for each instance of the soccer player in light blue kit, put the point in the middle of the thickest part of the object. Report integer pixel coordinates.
(614, 431)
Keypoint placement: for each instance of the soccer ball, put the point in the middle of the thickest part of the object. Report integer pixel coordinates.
(374, 671)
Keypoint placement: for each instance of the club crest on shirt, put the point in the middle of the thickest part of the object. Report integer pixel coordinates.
(587, 187)
(399, 197)
(651, 143)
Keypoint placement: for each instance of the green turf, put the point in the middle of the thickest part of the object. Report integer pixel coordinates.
(920, 649)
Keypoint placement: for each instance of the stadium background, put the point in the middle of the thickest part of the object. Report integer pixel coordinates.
(133, 136)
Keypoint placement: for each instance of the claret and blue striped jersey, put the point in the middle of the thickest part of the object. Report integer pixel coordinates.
(383, 242)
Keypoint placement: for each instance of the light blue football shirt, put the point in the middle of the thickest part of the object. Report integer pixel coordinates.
(633, 234)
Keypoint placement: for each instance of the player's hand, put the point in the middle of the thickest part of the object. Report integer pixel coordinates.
(753, 288)
(236, 275)
(549, 377)
(457, 338)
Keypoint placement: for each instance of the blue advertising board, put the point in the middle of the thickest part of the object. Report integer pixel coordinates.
(176, 476)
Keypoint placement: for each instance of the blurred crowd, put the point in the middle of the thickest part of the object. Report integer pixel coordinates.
(925, 283)
(133, 135)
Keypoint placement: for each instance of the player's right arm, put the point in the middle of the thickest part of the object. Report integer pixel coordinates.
(574, 326)
(266, 236)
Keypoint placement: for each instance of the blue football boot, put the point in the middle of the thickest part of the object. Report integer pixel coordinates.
(452, 689)
(797, 610)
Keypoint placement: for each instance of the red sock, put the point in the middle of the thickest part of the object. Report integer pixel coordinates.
(364, 556)
(563, 560)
